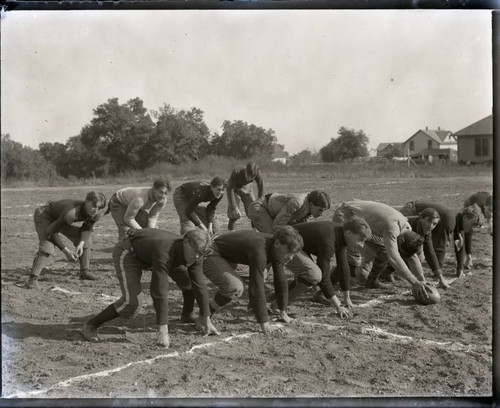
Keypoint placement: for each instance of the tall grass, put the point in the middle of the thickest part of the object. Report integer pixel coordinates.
(211, 166)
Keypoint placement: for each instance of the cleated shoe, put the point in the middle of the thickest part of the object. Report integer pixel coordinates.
(86, 275)
(376, 284)
(188, 318)
(320, 298)
(90, 332)
(33, 283)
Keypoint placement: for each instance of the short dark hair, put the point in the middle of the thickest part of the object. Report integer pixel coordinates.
(429, 213)
(199, 240)
(289, 237)
(409, 242)
(357, 225)
(98, 199)
(320, 199)
(218, 181)
(162, 183)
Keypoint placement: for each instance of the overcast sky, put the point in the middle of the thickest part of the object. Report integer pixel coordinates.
(303, 73)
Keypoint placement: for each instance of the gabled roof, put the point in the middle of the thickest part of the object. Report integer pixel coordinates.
(436, 135)
(481, 127)
(382, 146)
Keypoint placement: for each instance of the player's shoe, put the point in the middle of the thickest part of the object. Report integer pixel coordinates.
(188, 318)
(90, 332)
(86, 275)
(33, 283)
(320, 298)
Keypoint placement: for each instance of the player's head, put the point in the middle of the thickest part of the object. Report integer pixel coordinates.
(319, 202)
(356, 232)
(161, 187)
(409, 242)
(429, 218)
(287, 242)
(472, 217)
(251, 170)
(94, 202)
(218, 185)
(197, 244)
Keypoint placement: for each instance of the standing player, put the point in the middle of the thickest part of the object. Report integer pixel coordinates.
(392, 242)
(138, 207)
(57, 217)
(187, 198)
(167, 254)
(324, 240)
(240, 186)
(274, 211)
(256, 250)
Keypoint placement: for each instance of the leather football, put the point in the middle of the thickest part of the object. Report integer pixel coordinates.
(433, 293)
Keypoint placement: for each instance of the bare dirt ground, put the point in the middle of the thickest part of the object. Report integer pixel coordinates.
(392, 347)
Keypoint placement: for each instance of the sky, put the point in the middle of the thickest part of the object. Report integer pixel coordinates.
(302, 73)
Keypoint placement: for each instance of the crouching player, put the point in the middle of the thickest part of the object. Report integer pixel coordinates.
(167, 254)
(324, 239)
(485, 202)
(57, 217)
(457, 228)
(256, 250)
(392, 242)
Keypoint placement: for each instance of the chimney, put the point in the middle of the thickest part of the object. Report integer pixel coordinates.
(426, 128)
(439, 128)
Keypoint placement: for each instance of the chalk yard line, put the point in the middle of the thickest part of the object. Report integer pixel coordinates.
(455, 346)
(106, 373)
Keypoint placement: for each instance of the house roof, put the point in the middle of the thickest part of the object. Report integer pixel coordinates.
(436, 135)
(481, 127)
(382, 146)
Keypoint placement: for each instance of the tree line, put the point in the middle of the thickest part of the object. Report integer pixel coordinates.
(125, 137)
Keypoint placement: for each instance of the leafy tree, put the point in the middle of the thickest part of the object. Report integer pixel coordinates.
(349, 145)
(241, 140)
(118, 133)
(394, 150)
(178, 136)
(22, 162)
(304, 157)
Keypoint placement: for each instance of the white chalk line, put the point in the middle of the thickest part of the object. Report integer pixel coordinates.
(455, 346)
(106, 373)
(365, 330)
(25, 206)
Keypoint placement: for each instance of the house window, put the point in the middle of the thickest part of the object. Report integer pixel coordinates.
(481, 146)
(429, 144)
(412, 145)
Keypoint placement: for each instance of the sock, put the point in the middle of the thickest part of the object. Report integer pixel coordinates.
(188, 302)
(85, 260)
(41, 259)
(106, 315)
(231, 224)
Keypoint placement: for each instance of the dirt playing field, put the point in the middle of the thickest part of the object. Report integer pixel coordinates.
(392, 347)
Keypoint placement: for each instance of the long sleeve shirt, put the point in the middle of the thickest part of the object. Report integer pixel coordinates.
(197, 192)
(459, 233)
(324, 239)
(447, 216)
(67, 212)
(163, 250)
(386, 225)
(137, 199)
(256, 250)
(287, 209)
(482, 199)
(429, 252)
(238, 179)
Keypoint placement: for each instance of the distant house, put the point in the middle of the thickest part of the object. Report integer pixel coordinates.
(279, 154)
(475, 142)
(424, 141)
(384, 148)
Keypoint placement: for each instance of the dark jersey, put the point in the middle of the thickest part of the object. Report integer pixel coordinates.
(163, 250)
(324, 239)
(197, 192)
(429, 252)
(447, 216)
(238, 179)
(67, 212)
(255, 249)
(467, 237)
